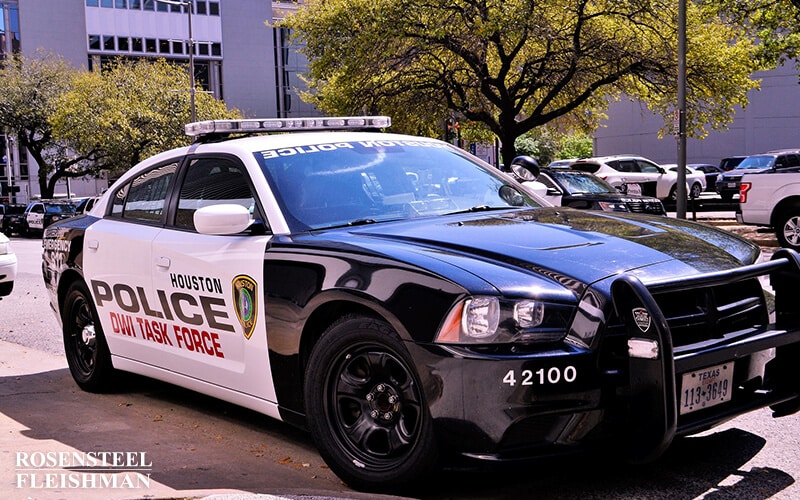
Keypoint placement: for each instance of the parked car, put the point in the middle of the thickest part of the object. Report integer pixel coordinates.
(8, 266)
(730, 162)
(40, 214)
(565, 163)
(695, 180)
(711, 172)
(572, 188)
(727, 184)
(85, 205)
(12, 218)
(633, 175)
(409, 304)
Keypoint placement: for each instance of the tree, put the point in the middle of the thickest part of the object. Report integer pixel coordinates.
(514, 65)
(29, 90)
(128, 111)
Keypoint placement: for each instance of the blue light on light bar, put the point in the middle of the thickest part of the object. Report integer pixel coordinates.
(286, 124)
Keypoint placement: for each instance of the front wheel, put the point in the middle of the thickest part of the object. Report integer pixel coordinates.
(787, 229)
(366, 408)
(85, 345)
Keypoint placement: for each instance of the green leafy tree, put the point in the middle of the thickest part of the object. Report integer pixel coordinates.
(29, 90)
(128, 111)
(514, 65)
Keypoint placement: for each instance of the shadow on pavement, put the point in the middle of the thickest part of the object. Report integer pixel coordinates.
(195, 442)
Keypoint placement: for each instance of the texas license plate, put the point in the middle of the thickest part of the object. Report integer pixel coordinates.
(706, 387)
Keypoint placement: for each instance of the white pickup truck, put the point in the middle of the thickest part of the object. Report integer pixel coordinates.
(772, 199)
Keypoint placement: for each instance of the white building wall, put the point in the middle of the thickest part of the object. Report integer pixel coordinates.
(770, 121)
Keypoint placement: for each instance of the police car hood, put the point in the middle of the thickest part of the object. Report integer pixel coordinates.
(582, 244)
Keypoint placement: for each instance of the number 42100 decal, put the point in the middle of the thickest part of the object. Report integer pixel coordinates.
(542, 376)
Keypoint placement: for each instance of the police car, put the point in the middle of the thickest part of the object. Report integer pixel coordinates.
(408, 304)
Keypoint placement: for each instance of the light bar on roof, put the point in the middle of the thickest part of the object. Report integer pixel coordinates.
(247, 126)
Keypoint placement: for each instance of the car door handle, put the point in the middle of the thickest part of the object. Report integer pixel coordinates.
(163, 262)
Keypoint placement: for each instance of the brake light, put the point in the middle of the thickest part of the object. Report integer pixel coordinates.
(743, 189)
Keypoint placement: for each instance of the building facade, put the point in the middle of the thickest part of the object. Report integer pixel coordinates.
(237, 56)
(770, 121)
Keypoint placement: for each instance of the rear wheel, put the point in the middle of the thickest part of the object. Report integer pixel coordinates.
(85, 345)
(696, 190)
(787, 228)
(365, 406)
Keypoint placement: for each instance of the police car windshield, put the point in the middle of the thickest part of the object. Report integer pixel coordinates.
(333, 184)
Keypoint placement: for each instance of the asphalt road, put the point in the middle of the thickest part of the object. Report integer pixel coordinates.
(197, 446)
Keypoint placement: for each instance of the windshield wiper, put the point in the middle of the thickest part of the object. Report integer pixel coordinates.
(478, 208)
(361, 222)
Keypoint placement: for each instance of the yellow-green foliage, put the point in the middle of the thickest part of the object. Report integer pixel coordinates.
(514, 65)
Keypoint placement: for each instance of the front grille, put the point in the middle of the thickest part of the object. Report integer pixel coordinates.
(712, 312)
(705, 313)
(646, 207)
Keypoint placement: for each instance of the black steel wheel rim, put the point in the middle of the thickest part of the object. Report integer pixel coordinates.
(81, 337)
(374, 406)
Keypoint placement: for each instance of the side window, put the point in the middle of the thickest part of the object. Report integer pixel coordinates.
(628, 166)
(213, 181)
(38, 208)
(644, 166)
(143, 198)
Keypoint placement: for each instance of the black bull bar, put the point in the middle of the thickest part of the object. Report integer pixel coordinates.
(652, 419)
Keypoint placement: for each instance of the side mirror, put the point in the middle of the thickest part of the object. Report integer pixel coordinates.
(525, 168)
(226, 218)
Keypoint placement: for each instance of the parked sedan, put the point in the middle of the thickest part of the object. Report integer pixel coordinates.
(572, 188)
(408, 304)
(711, 172)
(8, 266)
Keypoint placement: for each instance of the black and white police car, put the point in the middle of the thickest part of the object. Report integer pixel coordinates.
(407, 303)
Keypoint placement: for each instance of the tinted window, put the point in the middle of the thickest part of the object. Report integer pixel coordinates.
(212, 181)
(143, 198)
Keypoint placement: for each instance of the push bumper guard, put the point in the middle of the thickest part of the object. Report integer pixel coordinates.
(652, 419)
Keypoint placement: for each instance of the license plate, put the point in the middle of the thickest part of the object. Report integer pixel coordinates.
(731, 184)
(706, 388)
(634, 189)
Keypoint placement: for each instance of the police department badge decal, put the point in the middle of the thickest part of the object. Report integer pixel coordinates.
(642, 318)
(245, 300)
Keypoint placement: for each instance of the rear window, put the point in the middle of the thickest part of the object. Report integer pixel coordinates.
(585, 167)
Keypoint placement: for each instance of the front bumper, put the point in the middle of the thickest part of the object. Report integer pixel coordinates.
(497, 406)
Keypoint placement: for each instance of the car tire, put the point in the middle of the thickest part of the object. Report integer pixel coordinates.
(696, 190)
(6, 288)
(23, 230)
(366, 409)
(87, 353)
(787, 228)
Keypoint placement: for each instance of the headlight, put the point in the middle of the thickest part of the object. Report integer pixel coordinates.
(613, 206)
(5, 248)
(485, 320)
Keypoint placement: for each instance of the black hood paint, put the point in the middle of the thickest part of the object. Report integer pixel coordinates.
(584, 245)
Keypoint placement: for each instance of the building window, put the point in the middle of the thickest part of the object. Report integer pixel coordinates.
(123, 44)
(94, 42)
(177, 47)
(163, 46)
(150, 45)
(108, 43)
(92, 3)
(136, 4)
(108, 4)
(121, 4)
(148, 4)
(137, 45)
(213, 8)
(216, 49)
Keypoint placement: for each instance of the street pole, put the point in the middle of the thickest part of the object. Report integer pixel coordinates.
(189, 4)
(681, 187)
